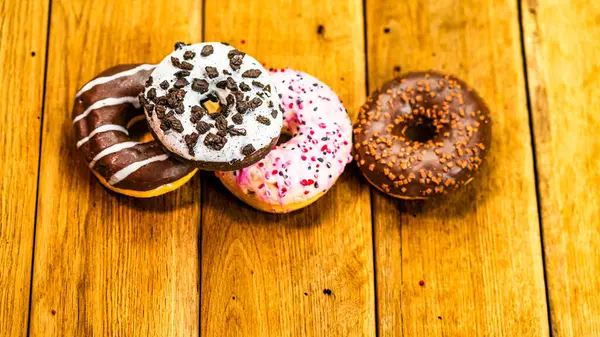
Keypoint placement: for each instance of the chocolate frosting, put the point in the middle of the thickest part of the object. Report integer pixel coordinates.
(101, 113)
(422, 134)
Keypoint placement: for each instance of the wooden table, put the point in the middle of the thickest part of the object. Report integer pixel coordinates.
(514, 254)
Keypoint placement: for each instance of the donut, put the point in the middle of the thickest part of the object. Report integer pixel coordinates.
(244, 127)
(302, 169)
(422, 134)
(104, 111)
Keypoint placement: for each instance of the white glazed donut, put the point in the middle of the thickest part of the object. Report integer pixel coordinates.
(298, 172)
(247, 123)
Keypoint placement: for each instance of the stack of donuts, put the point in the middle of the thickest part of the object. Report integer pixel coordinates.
(212, 107)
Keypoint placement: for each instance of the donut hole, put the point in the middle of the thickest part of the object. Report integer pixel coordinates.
(211, 104)
(138, 130)
(420, 131)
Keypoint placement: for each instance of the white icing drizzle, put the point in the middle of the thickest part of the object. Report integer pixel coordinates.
(108, 102)
(101, 80)
(112, 149)
(102, 128)
(127, 170)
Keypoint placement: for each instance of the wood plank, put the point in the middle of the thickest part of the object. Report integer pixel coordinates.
(562, 42)
(264, 275)
(23, 35)
(479, 251)
(110, 265)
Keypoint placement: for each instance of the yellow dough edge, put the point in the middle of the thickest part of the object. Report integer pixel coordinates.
(254, 201)
(150, 193)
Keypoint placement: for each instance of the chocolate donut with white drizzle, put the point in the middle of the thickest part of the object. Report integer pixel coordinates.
(104, 110)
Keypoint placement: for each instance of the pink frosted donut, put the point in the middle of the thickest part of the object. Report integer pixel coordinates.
(299, 171)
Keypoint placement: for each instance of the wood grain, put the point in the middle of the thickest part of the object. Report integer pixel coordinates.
(264, 275)
(479, 251)
(562, 42)
(23, 34)
(110, 265)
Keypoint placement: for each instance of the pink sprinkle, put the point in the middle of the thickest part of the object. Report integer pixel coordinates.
(303, 157)
(282, 69)
(310, 102)
(312, 132)
(306, 192)
(322, 125)
(345, 143)
(261, 164)
(305, 150)
(274, 172)
(53, 312)
(243, 41)
(324, 148)
(313, 158)
(290, 105)
(305, 182)
(261, 186)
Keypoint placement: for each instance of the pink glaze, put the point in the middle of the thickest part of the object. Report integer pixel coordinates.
(312, 160)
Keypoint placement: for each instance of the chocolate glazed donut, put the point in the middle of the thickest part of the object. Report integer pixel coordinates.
(105, 108)
(422, 134)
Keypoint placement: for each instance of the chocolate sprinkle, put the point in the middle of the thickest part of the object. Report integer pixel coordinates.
(182, 73)
(255, 103)
(236, 132)
(199, 85)
(211, 72)
(264, 120)
(221, 122)
(236, 62)
(186, 65)
(207, 50)
(175, 61)
(197, 113)
(258, 84)
(149, 81)
(274, 113)
(226, 72)
(242, 107)
(237, 119)
(151, 93)
(215, 142)
(222, 84)
(180, 83)
(142, 98)
(252, 73)
(231, 85)
(164, 84)
(190, 141)
(230, 100)
(160, 111)
(203, 127)
(245, 87)
(267, 88)
(248, 150)
(179, 45)
(188, 55)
